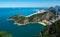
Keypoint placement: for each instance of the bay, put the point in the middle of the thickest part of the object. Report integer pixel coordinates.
(28, 30)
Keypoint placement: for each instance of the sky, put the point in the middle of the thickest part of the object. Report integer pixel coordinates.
(29, 3)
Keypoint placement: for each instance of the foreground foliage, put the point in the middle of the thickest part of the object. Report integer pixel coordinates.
(4, 34)
(51, 31)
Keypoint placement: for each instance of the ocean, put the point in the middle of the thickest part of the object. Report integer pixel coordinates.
(28, 30)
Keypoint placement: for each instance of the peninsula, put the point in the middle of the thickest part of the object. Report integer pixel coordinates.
(41, 16)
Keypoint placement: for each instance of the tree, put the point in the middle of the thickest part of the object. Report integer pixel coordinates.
(4, 34)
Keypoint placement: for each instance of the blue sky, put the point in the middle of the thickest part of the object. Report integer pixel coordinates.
(29, 3)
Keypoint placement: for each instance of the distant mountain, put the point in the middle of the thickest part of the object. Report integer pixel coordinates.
(52, 9)
(57, 8)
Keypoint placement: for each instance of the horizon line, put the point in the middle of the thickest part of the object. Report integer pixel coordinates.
(26, 7)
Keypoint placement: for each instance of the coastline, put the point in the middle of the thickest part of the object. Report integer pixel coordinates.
(39, 11)
(31, 23)
(28, 23)
(42, 23)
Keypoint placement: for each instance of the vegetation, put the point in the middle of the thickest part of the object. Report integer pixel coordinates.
(18, 18)
(34, 18)
(51, 31)
(55, 29)
(4, 34)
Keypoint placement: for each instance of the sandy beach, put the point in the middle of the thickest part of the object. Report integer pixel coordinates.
(42, 23)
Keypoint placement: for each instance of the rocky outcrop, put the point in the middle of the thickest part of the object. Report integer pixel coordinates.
(54, 29)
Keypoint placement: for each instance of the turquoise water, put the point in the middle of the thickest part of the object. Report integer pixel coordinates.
(19, 31)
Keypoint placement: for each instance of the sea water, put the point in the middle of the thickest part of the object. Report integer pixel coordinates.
(28, 30)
